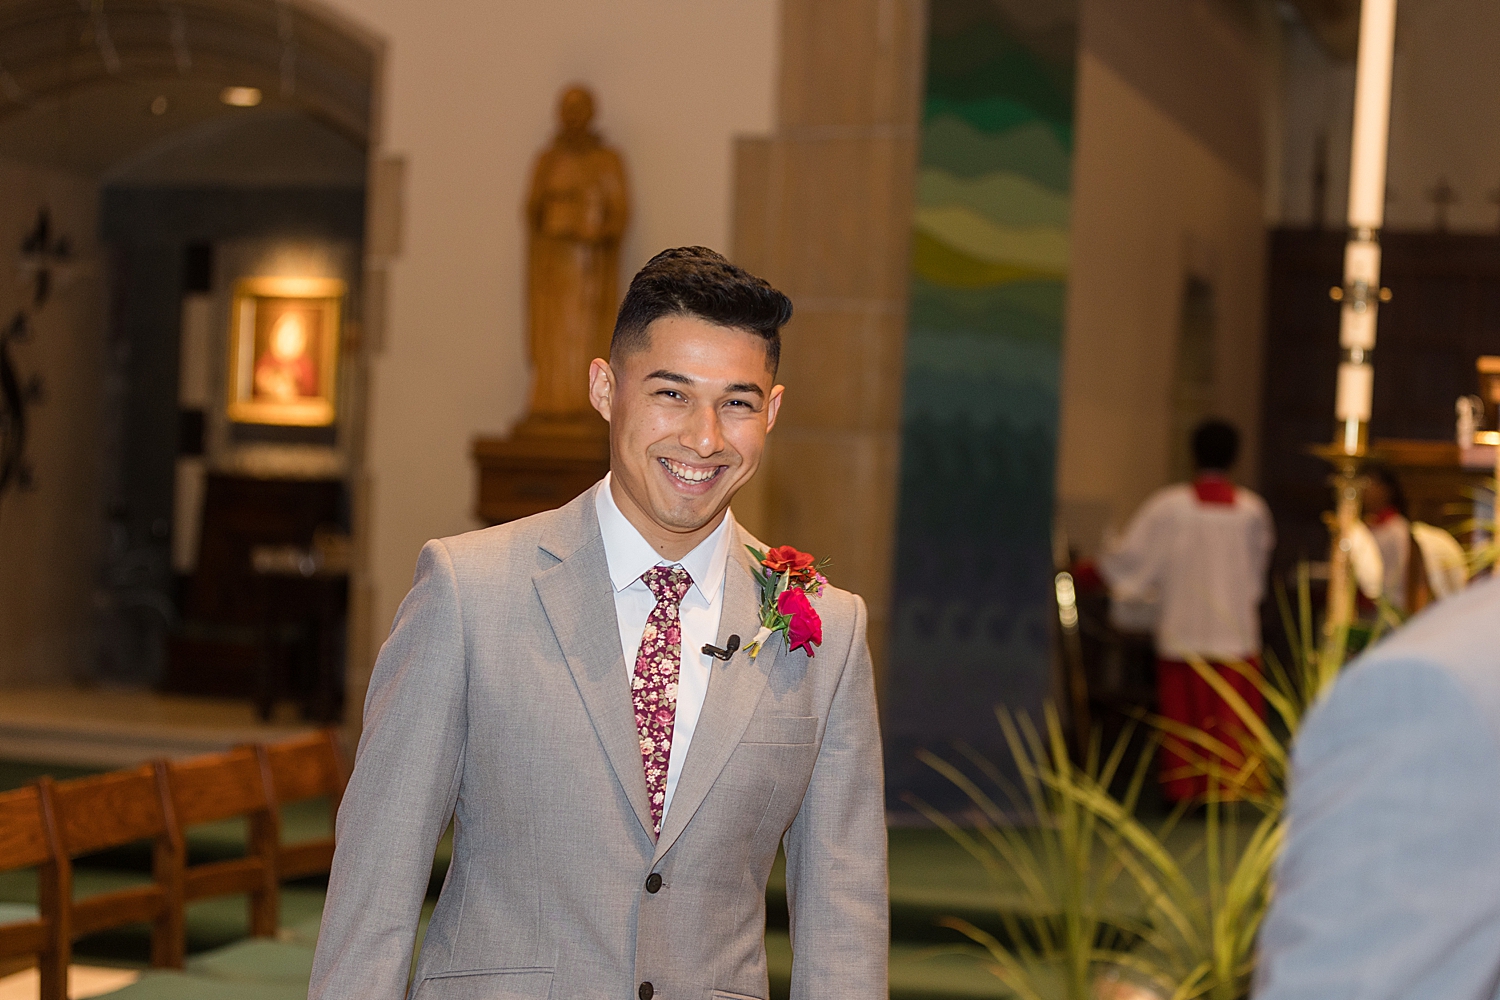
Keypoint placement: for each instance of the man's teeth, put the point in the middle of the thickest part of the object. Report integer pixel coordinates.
(689, 474)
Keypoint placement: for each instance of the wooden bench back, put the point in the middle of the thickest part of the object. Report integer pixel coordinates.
(224, 786)
(307, 767)
(112, 810)
(302, 768)
(28, 839)
(217, 786)
(24, 838)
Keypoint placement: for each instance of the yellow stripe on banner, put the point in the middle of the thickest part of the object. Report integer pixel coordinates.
(1039, 248)
(940, 264)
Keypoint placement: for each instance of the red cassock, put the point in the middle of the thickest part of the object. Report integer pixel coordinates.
(1184, 696)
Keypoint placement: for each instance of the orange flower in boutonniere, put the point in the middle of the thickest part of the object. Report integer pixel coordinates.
(786, 579)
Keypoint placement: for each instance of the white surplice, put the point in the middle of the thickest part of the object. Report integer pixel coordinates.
(1203, 563)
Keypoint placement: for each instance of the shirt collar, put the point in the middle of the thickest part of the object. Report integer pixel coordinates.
(629, 555)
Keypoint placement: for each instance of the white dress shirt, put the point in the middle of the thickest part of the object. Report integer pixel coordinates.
(629, 555)
(1205, 563)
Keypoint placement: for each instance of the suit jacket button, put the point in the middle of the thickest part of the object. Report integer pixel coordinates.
(653, 882)
(646, 992)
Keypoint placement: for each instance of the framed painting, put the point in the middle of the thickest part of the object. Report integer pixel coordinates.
(284, 338)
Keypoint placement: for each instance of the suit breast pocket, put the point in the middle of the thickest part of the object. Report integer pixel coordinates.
(784, 730)
(487, 984)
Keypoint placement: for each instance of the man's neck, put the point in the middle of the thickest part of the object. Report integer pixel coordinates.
(670, 545)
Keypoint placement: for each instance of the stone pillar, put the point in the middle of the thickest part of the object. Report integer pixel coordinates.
(823, 210)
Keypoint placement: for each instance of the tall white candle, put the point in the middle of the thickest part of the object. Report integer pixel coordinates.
(1356, 389)
(1356, 380)
(1372, 113)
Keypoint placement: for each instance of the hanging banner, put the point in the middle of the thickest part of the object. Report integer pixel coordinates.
(972, 622)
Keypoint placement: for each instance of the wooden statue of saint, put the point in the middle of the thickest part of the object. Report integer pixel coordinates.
(575, 215)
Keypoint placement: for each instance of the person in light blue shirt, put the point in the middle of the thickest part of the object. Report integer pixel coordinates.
(1389, 883)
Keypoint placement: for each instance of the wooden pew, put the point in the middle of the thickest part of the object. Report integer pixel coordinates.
(228, 786)
(302, 768)
(111, 810)
(28, 839)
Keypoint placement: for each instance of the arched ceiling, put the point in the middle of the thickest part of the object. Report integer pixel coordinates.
(80, 82)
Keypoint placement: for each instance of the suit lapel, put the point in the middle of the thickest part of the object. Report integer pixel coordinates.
(577, 597)
(734, 689)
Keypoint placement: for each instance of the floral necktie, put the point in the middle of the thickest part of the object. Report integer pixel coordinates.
(653, 689)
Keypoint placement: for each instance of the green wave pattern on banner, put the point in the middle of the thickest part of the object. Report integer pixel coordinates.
(1031, 150)
(990, 257)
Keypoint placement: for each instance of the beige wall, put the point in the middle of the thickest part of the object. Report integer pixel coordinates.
(1152, 204)
(469, 92)
(50, 536)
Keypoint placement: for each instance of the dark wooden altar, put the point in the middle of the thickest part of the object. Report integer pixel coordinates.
(1439, 487)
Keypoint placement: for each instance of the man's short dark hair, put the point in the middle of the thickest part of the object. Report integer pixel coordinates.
(696, 281)
(1216, 444)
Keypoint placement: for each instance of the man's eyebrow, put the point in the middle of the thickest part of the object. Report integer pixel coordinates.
(681, 379)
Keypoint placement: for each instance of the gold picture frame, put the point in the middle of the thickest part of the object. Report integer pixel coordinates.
(284, 338)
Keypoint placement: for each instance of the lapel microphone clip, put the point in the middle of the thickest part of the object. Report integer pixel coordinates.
(726, 652)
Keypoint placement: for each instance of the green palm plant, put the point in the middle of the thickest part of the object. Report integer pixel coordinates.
(1201, 941)
(1483, 554)
(1071, 916)
(1118, 892)
(1197, 942)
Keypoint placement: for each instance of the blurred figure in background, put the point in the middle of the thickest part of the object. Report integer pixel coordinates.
(1199, 551)
(1386, 514)
(1440, 567)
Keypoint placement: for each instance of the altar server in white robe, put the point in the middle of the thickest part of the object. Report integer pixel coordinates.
(1199, 551)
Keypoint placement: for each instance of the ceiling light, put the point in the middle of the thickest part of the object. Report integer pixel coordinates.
(240, 97)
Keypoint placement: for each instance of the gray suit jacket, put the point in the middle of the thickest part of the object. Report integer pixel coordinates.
(501, 700)
(1389, 884)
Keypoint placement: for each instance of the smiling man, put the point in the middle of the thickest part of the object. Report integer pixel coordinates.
(566, 688)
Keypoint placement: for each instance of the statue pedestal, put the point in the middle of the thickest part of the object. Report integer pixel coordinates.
(541, 466)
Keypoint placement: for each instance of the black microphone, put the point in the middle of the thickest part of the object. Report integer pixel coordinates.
(726, 652)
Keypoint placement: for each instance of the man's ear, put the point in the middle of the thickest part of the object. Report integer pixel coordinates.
(773, 406)
(601, 386)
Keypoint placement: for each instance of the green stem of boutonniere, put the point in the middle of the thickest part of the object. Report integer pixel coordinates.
(771, 620)
(760, 640)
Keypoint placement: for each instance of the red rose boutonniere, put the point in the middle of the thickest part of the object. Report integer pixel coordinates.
(786, 578)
